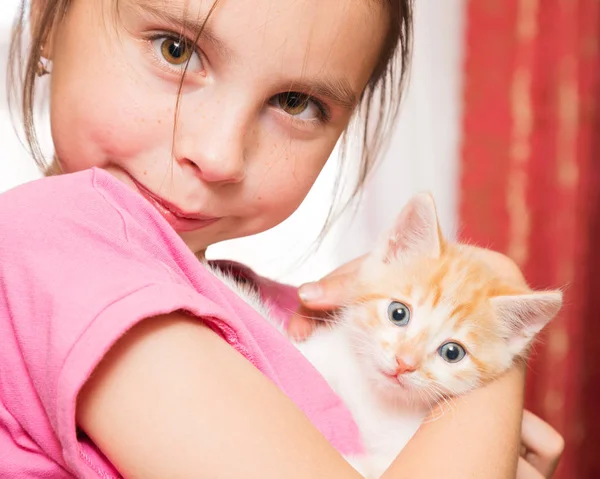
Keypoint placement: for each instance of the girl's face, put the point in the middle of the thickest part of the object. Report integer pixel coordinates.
(269, 88)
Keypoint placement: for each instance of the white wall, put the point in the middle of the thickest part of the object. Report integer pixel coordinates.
(15, 167)
(423, 156)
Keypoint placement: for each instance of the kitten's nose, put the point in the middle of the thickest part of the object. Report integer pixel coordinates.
(402, 367)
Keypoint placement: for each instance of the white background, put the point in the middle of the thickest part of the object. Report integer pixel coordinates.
(423, 156)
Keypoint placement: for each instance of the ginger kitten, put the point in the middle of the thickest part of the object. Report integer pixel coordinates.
(430, 320)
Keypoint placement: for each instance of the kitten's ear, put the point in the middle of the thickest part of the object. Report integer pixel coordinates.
(416, 231)
(526, 315)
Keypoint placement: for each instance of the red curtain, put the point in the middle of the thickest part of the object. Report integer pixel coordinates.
(530, 187)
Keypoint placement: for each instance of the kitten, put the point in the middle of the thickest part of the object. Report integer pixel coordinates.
(430, 320)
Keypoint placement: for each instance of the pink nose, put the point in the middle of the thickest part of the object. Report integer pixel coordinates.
(403, 368)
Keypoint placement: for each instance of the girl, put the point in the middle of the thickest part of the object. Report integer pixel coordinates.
(178, 124)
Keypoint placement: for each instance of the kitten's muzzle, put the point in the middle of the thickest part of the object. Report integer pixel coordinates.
(403, 368)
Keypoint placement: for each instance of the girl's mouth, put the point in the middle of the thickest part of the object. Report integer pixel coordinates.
(179, 220)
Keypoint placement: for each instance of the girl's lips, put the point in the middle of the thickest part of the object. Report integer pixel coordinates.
(180, 221)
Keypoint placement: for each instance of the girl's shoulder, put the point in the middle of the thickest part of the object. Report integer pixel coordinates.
(91, 197)
(44, 194)
(74, 215)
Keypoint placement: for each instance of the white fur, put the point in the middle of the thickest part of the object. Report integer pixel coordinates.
(389, 411)
(385, 426)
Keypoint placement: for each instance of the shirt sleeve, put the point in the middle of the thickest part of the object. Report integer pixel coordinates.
(70, 286)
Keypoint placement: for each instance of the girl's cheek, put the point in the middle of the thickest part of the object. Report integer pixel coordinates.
(112, 121)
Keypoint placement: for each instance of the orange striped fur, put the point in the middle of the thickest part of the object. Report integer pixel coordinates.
(455, 293)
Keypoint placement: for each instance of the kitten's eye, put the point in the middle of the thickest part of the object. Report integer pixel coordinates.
(452, 352)
(399, 313)
(177, 52)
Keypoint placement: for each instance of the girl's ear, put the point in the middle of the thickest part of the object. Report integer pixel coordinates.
(416, 231)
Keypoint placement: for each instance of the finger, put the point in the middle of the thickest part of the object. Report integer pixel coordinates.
(304, 321)
(543, 443)
(527, 471)
(332, 290)
(299, 327)
(328, 293)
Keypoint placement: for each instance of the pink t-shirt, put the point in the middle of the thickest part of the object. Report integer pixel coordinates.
(83, 258)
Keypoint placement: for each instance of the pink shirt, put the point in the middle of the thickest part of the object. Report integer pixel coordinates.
(83, 258)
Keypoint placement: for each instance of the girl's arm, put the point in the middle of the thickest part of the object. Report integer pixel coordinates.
(478, 437)
(172, 399)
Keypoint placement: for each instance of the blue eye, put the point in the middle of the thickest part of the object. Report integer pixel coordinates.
(452, 352)
(398, 313)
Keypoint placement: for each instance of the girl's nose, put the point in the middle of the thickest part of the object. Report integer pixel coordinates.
(214, 146)
(217, 166)
(217, 162)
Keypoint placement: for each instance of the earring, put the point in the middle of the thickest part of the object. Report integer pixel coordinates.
(43, 66)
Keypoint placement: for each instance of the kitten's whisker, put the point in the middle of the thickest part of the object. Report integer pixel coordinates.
(431, 419)
(331, 319)
(435, 394)
(445, 399)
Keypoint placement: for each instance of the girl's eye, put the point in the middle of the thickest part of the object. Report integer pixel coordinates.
(452, 352)
(177, 52)
(298, 105)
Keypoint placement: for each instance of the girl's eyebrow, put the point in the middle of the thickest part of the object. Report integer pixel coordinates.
(338, 90)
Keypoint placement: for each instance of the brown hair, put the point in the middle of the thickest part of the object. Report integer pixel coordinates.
(381, 97)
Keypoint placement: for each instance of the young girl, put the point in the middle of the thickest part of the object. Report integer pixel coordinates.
(178, 124)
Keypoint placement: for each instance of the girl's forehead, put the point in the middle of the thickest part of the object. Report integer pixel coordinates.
(302, 11)
(293, 35)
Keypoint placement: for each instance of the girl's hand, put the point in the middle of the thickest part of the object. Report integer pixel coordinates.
(541, 447)
(320, 298)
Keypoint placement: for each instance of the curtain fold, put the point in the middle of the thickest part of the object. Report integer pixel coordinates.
(529, 187)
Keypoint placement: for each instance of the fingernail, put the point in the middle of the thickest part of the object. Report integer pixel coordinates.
(310, 292)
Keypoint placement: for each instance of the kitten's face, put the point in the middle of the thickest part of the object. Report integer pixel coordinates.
(431, 319)
(427, 326)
